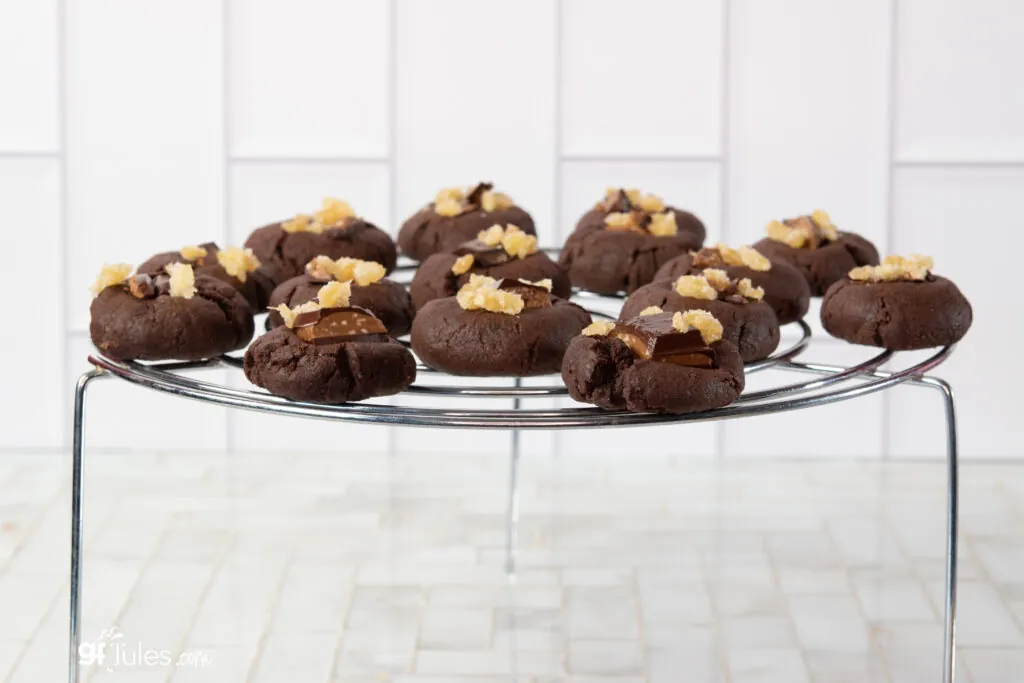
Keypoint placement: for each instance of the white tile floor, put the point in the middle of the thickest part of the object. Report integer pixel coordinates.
(629, 568)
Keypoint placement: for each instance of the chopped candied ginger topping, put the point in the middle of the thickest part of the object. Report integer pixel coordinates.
(780, 232)
(289, 314)
(345, 269)
(237, 262)
(362, 272)
(368, 272)
(334, 294)
(300, 223)
(663, 224)
(651, 203)
(321, 268)
(804, 231)
(754, 259)
(193, 252)
(454, 201)
(495, 201)
(708, 326)
(913, 267)
(544, 284)
(448, 207)
(621, 221)
(695, 287)
(183, 280)
(717, 278)
(491, 236)
(517, 243)
(599, 328)
(747, 290)
(514, 241)
(111, 276)
(824, 223)
(482, 293)
(462, 264)
(651, 310)
(744, 256)
(332, 213)
(450, 193)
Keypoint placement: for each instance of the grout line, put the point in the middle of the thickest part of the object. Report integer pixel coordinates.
(65, 256)
(557, 441)
(723, 167)
(959, 163)
(392, 433)
(17, 154)
(229, 415)
(244, 159)
(890, 206)
(642, 158)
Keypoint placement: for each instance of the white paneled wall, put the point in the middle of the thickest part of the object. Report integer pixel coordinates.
(130, 127)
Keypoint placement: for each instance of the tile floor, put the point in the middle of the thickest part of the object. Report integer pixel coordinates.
(628, 568)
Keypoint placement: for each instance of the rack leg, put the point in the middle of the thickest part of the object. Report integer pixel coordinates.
(75, 620)
(512, 519)
(952, 522)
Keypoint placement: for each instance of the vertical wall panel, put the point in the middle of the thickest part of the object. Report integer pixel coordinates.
(936, 211)
(808, 113)
(32, 383)
(959, 80)
(145, 133)
(28, 76)
(261, 193)
(309, 78)
(642, 78)
(475, 101)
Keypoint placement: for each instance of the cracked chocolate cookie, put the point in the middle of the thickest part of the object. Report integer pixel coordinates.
(509, 328)
(238, 267)
(785, 288)
(387, 300)
(456, 216)
(621, 243)
(749, 323)
(335, 231)
(814, 246)
(655, 362)
(173, 315)
(328, 351)
(496, 252)
(899, 305)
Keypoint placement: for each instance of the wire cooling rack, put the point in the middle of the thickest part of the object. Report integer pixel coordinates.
(825, 384)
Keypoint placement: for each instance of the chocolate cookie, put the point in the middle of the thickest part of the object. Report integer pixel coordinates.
(173, 316)
(661, 362)
(899, 305)
(334, 231)
(498, 253)
(814, 246)
(387, 300)
(749, 323)
(504, 328)
(362, 367)
(456, 216)
(237, 267)
(621, 243)
(785, 288)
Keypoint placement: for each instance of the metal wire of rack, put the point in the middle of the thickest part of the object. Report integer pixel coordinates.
(828, 384)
